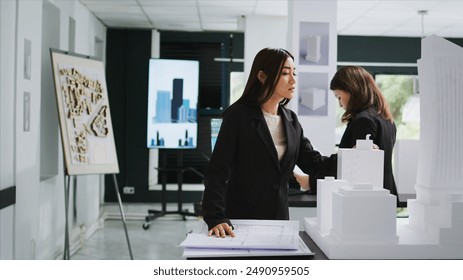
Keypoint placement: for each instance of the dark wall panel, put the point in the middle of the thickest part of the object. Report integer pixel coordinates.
(378, 49)
(127, 68)
(7, 197)
(383, 49)
(127, 57)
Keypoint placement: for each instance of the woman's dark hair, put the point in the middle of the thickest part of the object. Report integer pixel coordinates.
(270, 61)
(364, 93)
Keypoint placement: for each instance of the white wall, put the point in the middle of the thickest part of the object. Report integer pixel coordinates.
(283, 32)
(262, 32)
(39, 210)
(7, 69)
(29, 18)
(319, 129)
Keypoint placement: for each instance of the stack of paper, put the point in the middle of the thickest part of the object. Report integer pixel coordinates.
(252, 238)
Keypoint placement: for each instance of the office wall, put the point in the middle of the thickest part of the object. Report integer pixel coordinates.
(7, 68)
(128, 55)
(256, 36)
(318, 126)
(38, 214)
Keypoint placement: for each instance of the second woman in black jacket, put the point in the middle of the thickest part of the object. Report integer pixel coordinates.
(367, 112)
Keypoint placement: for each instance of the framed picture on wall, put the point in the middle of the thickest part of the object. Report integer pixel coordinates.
(313, 94)
(314, 43)
(84, 115)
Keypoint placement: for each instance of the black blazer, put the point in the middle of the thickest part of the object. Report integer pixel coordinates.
(383, 134)
(244, 179)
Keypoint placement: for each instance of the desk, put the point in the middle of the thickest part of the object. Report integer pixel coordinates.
(319, 255)
(310, 200)
(302, 200)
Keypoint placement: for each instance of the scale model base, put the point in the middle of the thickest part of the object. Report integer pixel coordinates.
(412, 244)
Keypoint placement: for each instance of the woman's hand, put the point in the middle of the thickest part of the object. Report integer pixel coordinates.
(303, 180)
(221, 230)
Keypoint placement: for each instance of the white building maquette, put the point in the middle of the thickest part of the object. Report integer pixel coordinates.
(356, 218)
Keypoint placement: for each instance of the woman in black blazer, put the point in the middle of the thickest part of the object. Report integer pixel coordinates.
(259, 143)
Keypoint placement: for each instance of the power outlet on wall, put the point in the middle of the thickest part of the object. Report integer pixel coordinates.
(129, 190)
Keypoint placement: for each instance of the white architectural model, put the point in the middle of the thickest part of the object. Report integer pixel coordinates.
(362, 223)
(313, 98)
(326, 188)
(368, 215)
(437, 210)
(362, 164)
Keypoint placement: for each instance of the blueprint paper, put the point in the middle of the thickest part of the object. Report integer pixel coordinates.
(249, 234)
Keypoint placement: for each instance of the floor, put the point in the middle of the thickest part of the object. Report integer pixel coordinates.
(159, 241)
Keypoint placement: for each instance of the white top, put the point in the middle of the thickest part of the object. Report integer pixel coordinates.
(277, 131)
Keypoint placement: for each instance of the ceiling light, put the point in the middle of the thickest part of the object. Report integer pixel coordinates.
(422, 13)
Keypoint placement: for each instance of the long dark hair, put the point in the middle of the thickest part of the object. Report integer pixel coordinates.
(364, 93)
(270, 61)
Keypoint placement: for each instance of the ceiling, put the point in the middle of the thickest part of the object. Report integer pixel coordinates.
(355, 17)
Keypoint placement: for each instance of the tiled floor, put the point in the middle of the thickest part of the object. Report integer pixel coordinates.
(159, 241)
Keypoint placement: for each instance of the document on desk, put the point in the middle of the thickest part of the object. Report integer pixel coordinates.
(193, 253)
(249, 234)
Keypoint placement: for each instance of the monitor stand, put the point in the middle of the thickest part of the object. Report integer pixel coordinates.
(153, 214)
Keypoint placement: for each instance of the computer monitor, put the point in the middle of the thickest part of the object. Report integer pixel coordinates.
(172, 104)
(215, 128)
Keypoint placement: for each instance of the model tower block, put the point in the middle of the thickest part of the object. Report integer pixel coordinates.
(356, 208)
(363, 212)
(362, 164)
(325, 191)
(437, 210)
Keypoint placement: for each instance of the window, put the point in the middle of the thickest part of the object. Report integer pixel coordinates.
(237, 84)
(402, 94)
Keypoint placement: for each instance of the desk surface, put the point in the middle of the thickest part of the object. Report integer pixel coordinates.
(302, 200)
(310, 200)
(319, 255)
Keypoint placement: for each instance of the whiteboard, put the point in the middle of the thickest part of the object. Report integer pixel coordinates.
(84, 115)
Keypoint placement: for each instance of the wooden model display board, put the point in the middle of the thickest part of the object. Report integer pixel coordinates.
(84, 116)
(85, 122)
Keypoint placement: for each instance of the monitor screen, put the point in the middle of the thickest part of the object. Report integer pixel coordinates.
(215, 128)
(172, 104)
